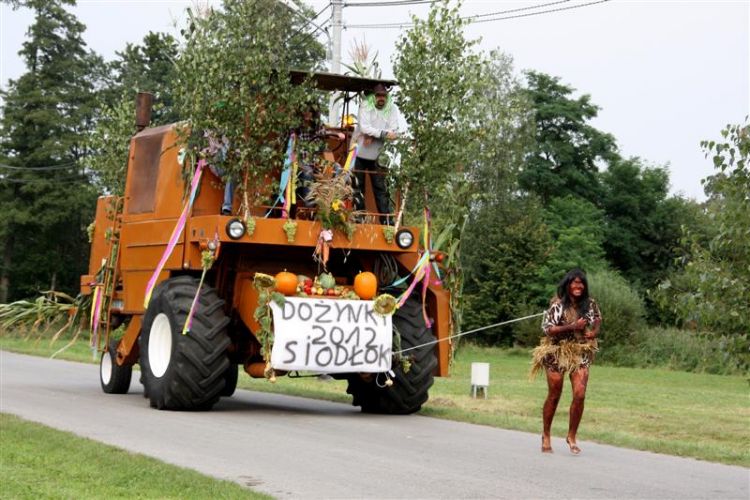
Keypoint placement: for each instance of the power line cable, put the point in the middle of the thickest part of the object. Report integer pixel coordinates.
(40, 169)
(298, 31)
(81, 179)
(560, 9)
(519, 9)
(473, 19)
(387, 4)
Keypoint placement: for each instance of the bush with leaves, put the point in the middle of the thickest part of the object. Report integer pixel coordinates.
(109, 143)
(232, 81)
(676, 349)
(622, 309)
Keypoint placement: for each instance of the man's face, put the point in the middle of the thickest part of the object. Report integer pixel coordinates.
(380, 99)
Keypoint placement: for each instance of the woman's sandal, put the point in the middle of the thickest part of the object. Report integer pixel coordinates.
(548, 448)
(574, 449)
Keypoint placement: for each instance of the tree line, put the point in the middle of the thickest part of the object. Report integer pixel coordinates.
(517, 174)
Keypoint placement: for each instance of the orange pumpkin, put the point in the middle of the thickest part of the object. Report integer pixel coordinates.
(365, 285)
(286, 282)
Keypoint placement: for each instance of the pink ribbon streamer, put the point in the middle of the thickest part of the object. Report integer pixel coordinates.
(425, 284)
(176, 232)
(96, 311)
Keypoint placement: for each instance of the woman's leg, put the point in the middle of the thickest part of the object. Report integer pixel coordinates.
(578, 379)
(554, 389)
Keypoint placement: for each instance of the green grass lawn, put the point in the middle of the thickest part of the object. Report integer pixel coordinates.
(39, 462)
(678, 413)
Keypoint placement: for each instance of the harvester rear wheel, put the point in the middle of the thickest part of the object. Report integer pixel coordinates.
(184, 372)
(409, 390)
(230, 381)
(115, 379)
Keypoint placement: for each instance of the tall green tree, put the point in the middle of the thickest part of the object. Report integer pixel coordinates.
(463, 130)
(150, 67)
(147, 67)
(711, 291)
(568, 148)
(46, 201)
(643, 220)
(577, 230)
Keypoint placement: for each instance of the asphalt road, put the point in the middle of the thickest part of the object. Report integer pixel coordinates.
(300, 448)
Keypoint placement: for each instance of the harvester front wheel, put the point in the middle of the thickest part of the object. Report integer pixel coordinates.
(184, 372)
(410, 389)
(115, 379)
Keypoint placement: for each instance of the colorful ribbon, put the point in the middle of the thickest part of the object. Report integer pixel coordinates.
(176, 232)
(96, 311)
(421, 272)
(287, 172)
(351, 157)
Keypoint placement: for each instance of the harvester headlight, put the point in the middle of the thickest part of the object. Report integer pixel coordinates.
(235, 229)
(404, 238)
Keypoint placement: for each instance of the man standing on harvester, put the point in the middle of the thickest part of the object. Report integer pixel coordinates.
(378, 122)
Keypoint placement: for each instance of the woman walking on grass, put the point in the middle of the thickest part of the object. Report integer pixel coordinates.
(570, 326)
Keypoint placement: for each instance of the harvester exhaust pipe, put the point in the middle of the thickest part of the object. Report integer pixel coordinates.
(143, 103)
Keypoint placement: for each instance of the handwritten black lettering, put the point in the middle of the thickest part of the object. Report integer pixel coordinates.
(354, 332)
(289, 345)
(326, 350)
(370, 347)
(353, 358)
(370, 314)
(287, 310)
(384, 357)
(308, 311)
(336, 335)
(321, 317)
(341, 355)
(319, 339)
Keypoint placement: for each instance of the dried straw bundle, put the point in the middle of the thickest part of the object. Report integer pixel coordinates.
(567, 353)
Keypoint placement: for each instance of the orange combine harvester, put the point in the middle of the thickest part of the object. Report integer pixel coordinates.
(191, 368)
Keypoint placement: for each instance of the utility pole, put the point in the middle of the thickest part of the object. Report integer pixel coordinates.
(337, 26)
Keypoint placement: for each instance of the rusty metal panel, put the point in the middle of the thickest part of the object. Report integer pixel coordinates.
(134, 286)
(103, 225)
(143, 173)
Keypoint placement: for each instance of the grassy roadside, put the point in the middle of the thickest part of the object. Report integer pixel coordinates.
(40, 462)
(678, 413)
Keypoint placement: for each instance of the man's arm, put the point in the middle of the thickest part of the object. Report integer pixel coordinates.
(392, 127)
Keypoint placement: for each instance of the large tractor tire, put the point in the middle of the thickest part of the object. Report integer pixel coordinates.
(184, 372)
(115, 379)
(409, 390)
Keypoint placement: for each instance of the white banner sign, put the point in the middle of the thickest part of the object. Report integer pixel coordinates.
(330, 336)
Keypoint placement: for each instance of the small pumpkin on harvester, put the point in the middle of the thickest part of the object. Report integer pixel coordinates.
(286, 283)
(365, 285)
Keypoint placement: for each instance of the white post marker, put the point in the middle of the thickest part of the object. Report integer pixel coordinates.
(480, 378)
(331, 336)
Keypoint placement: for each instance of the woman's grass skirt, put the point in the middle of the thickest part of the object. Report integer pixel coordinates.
(563, 356)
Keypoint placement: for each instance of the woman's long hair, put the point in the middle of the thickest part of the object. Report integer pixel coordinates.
(567, 300)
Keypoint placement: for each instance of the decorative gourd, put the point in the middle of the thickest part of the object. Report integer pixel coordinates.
(327, 281)
(365, 285)
(286, 283)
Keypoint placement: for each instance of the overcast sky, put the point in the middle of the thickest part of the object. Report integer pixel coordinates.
(666, 74)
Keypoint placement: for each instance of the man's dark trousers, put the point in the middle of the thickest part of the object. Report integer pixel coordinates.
(380, 190)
